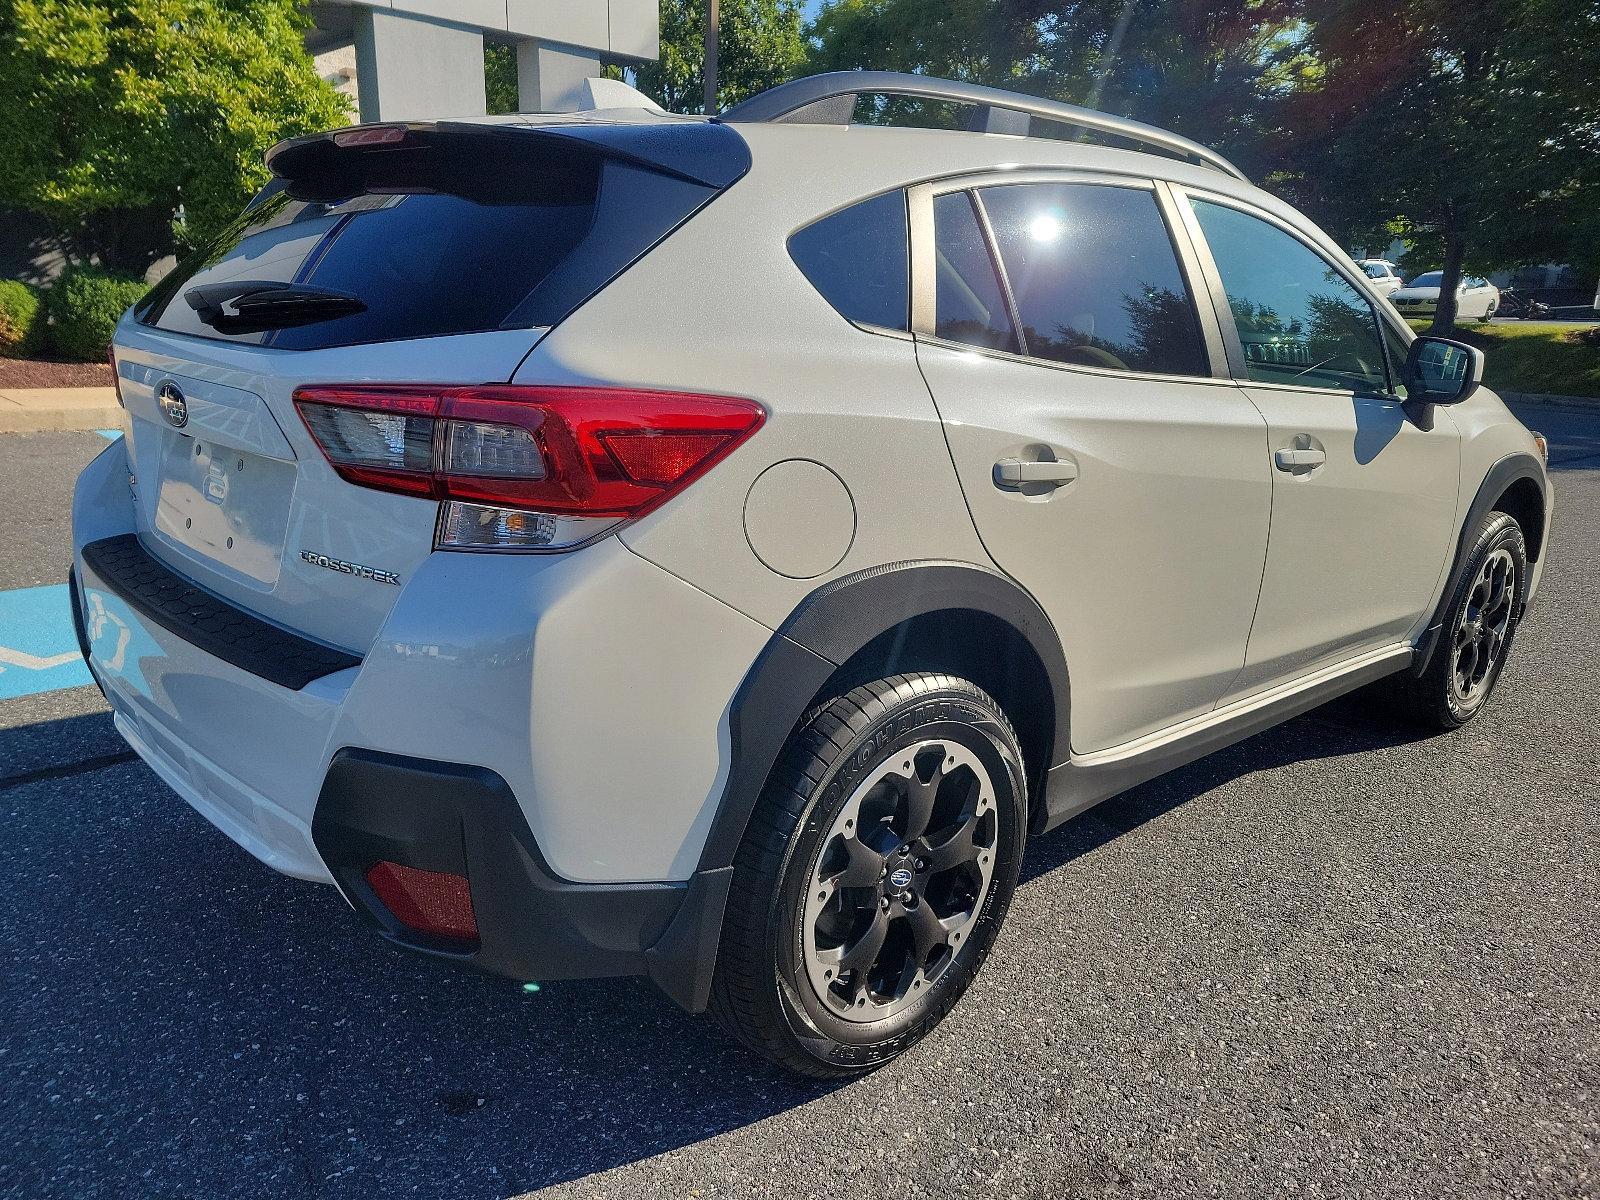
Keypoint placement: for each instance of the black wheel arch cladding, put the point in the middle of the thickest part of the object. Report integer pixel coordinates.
(1513, 473)
(827, 630)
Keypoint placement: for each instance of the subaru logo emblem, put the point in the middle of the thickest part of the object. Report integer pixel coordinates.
(900, 880)
(173, 405)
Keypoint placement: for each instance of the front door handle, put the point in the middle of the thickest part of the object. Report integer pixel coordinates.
(1288, 460)
(1014, 472)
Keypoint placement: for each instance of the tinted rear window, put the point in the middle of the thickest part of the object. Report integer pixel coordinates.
(857, 259)
(469, 234)
(1095, 278)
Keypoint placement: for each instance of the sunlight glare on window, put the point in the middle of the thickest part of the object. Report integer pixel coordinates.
(1046, 227)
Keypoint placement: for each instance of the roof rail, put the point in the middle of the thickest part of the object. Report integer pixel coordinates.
(830, 99)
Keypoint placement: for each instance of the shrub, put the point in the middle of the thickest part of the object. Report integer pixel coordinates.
(85, 306)
(21, 322)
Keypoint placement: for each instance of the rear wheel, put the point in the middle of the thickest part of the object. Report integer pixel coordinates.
(1479, 625)
(874, 876)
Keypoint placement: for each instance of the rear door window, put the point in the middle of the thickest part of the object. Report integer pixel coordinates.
(1095, 277)
(467, 232)
(969, 305)
(857, 259)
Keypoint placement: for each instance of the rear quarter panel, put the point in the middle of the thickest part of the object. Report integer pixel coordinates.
(720, 307)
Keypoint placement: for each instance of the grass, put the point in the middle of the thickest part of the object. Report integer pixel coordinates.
(1536, 356)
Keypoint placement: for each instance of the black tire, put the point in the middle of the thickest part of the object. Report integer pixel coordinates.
(1436, 699)
(762, 992)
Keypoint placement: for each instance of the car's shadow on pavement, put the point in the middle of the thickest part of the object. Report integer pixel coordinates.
(1349, 725)
(183, 1021)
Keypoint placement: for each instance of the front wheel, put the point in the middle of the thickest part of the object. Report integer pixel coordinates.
(1479, 624)
(874, 875)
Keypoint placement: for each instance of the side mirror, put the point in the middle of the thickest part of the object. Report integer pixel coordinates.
(1441, 371)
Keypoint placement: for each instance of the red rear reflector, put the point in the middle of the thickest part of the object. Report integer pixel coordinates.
(568, 451)
(428, 901)
(660, 459)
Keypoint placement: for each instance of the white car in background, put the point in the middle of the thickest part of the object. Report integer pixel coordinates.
(1381, 275)
(1476, 298)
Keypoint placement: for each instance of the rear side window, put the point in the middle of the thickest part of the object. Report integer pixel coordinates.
(1095, 278)
(857, 259)
(466, 232)
(969, 306)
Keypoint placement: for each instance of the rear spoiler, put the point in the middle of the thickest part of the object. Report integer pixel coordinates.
(702, 152)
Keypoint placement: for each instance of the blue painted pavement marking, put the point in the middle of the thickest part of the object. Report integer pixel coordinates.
(110, 435)
(38, 651)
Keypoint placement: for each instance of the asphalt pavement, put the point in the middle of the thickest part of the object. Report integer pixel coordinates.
(1334, 960)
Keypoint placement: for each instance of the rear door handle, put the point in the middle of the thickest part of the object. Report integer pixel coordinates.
(1014, 472)
(1288, 460)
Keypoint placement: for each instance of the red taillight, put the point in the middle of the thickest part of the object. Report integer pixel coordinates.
(567, 451)
(432, 902)
(116, 379)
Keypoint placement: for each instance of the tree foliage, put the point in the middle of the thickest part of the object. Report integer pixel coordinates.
(1212, 69)
(118, 112)
(761, 45)
(1471, 129)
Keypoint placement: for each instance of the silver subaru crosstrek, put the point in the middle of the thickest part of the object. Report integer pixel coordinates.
(619, 543)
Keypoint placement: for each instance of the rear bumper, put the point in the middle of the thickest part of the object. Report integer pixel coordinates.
(260, 748)
(435, 816)
(588, 691)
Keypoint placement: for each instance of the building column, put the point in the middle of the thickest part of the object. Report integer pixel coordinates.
(415, 69)
(550, 76)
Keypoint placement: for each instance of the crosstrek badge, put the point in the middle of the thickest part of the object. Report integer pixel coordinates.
(349, 568)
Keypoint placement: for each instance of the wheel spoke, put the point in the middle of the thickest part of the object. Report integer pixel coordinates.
(928, 932)
(863, 952)
(920, 795)
(863, 868)
(954, 850)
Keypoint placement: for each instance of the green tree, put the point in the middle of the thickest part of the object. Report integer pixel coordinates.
(500, 79)
(119, 112)
(761, 45)
(1470, 129)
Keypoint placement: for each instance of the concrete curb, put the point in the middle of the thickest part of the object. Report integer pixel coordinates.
(50, 410)
(1590, 403)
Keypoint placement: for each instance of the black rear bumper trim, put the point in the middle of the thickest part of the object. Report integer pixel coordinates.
(532, 924)
(123, 566)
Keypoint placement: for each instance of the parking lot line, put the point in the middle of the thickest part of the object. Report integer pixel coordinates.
(38, 650)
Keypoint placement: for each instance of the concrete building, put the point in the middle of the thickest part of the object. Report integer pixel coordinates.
(410, 59)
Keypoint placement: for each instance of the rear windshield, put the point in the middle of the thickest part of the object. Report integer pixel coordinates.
(461, 234)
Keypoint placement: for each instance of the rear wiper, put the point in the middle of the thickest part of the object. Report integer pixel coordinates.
(255, 306)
